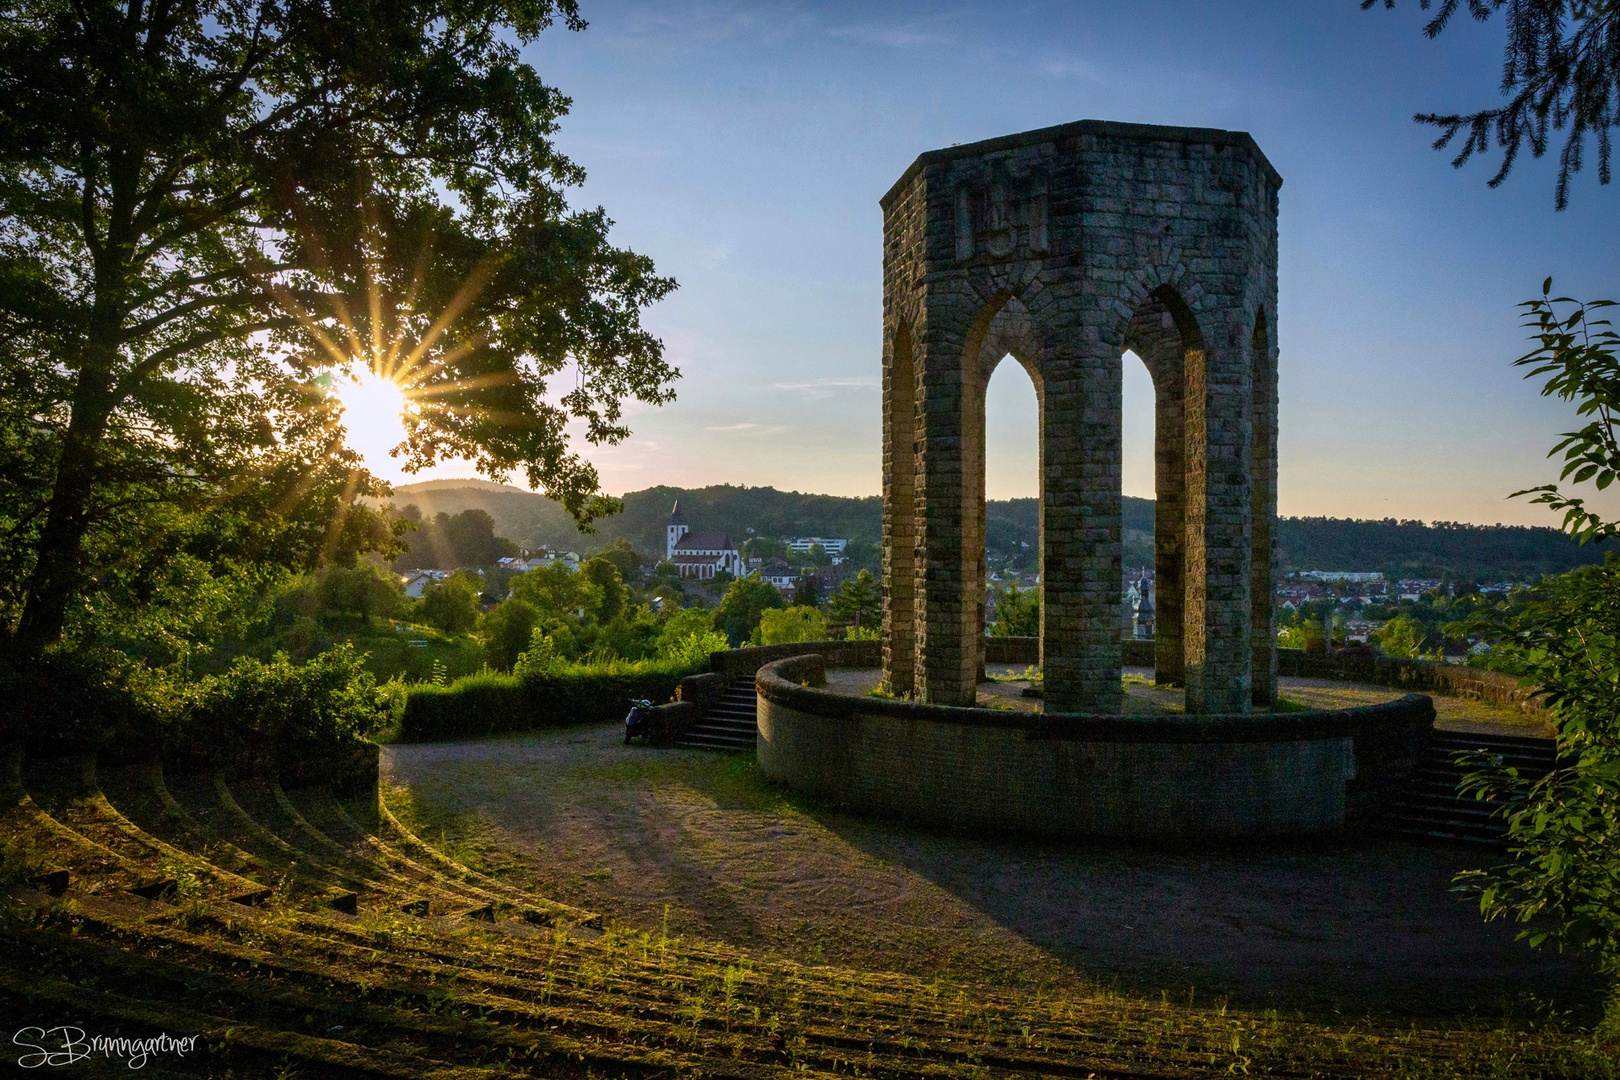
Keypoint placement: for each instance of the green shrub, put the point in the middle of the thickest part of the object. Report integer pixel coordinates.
(1562, 884)
(545, 696)
(540, 658)
(507, 630)
(258, 714)
(781, 626)
(81, 700)
(451, 604)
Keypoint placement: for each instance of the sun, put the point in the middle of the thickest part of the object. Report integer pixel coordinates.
(374, 408)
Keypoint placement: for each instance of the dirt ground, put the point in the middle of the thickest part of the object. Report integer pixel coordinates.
(702, 845)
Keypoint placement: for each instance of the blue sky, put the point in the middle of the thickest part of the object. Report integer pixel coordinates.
(744, 147)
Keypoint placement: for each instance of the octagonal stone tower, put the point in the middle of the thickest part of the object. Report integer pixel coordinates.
(1062, 248)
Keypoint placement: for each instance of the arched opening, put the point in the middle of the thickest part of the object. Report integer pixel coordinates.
(1004, 337)
(1011, 551)
(1163, 336)
(1138, 486)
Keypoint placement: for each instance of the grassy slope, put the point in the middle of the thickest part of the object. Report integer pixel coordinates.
(443, 971)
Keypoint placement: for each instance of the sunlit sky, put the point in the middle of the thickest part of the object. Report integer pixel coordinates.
(744, 147)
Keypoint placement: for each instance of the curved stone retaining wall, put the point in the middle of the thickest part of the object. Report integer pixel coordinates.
(1075, 775)
(741, 663)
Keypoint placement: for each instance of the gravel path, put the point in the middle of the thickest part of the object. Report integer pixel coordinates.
(703, 845)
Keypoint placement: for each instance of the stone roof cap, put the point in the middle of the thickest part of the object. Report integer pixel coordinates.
(675, 515)
(1104, 128)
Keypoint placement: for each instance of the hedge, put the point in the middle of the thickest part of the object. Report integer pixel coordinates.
(491, 704)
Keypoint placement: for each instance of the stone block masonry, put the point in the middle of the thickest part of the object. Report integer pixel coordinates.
(1188, 778)
(1062, 248)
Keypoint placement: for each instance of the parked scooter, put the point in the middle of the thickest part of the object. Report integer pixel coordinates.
(639, 721)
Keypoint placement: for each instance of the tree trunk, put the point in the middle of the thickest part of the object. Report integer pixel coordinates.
(59, 568)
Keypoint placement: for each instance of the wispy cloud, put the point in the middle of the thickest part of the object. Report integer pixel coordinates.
(907, 36)
(1081, 70)
(730, 427)
(856, 382)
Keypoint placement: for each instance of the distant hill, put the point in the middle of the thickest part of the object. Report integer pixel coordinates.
(1406, 548)
(533, 520)
(1478, 553)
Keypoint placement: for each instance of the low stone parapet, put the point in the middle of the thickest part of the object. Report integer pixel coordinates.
(742, 663)
(1403, 673)
(702, 690)
(1163, 776)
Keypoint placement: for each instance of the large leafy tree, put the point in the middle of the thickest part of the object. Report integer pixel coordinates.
(206, 204)
(1561, 69)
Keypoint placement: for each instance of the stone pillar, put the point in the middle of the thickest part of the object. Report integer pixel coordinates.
(1263, 493)
(899, 515)
(1081, 579)
(1169, 528)
(1218, 610)
(947, 655)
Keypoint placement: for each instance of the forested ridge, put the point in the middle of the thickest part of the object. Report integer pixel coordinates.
(1406, 548)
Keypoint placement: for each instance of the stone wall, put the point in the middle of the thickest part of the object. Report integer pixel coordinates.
(1186, 777)
(741, 663)
(1423, 675)
(1062, 248)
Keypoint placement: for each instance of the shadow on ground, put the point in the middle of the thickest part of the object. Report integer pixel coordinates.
(701, 844)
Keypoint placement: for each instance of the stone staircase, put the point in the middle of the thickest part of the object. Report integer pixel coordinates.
(731, 724)
(1431, 805)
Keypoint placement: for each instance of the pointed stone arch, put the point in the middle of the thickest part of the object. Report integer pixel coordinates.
(1009, 331)
(1161, 330)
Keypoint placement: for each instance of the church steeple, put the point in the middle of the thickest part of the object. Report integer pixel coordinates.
(674, 530)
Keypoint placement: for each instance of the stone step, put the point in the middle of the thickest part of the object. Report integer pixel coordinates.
(694, 741)
(1432, 805)
(730, 724)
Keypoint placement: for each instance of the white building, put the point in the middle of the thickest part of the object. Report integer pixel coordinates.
(416, 583)
(803, 544)
(542, 557)
(674, 530)
(700, 555)
(780, 574)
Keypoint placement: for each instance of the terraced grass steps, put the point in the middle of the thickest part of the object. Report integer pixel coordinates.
(539, 910)
(588, 1029)
(436, 970)
(69, 792)
(140, 793)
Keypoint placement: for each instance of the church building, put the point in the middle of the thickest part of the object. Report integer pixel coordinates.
(700, 555)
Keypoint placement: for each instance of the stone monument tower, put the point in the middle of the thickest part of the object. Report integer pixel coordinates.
(1062, 248)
